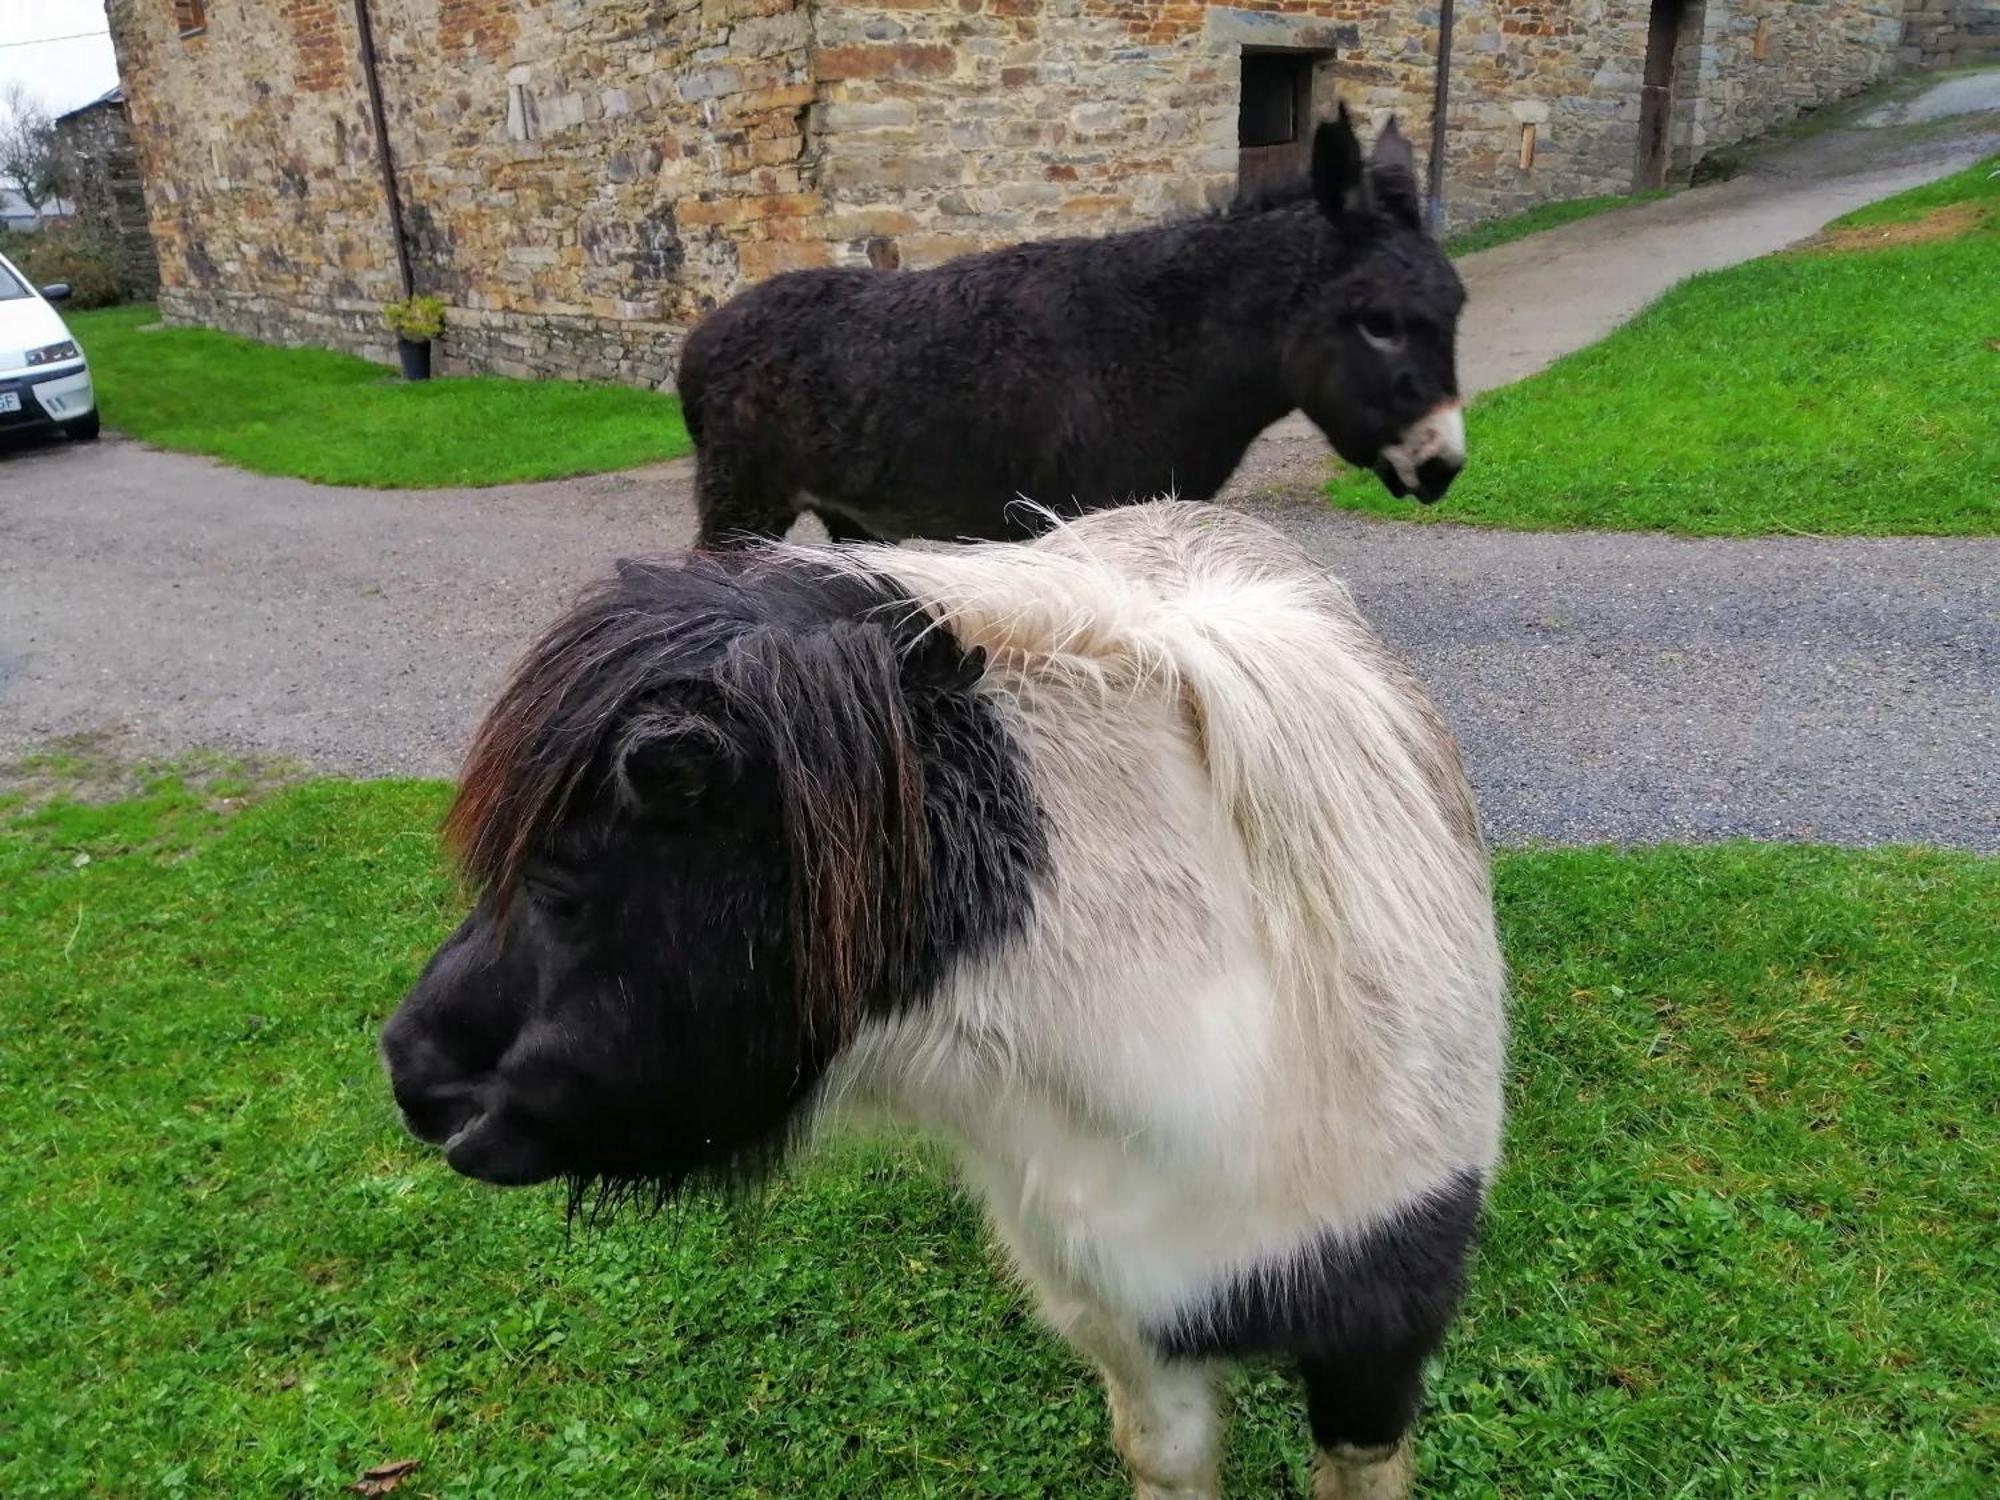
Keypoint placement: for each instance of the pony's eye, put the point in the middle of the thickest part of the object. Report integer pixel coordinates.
(557, 898)
(1379, 329)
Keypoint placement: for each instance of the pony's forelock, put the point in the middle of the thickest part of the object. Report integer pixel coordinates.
(811, 684)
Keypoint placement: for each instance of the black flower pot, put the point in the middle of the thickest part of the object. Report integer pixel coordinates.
(415, 356)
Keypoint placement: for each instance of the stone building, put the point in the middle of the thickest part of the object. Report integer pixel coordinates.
(100, 172)
(580, 179)
(1951, 33)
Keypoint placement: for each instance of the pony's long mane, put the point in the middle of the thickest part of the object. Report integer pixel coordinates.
(797, 666)
(1342, 781)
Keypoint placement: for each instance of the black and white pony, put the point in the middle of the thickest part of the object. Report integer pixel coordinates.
(1084, 372)
(1129, 861)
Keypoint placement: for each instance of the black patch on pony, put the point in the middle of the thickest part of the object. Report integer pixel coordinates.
(725, 811)
(1359, 1315)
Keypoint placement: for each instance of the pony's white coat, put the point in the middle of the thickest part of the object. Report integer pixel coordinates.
(1260, 998)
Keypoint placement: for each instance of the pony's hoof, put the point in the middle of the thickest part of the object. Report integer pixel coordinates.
(1364, 1473)
(1145, 1491)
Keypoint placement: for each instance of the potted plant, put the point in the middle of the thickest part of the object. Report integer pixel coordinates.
(415, 321)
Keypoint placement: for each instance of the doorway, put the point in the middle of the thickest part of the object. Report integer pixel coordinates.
(1656, 94)
(1274, 123)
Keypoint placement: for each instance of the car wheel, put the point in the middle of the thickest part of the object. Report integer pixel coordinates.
(82, 430)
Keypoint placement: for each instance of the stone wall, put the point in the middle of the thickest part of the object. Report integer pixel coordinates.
(1950, 33)
(1567, 70)
(581, 179)
(100, 174)
(1572, 70)
(1765, 62)
(941, 128)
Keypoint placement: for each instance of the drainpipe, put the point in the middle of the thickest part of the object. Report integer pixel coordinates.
(1439, 99)
(366, 28)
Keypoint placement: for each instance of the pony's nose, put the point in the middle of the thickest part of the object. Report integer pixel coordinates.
(435, 1115)
(491, 1148)
(434, 1096)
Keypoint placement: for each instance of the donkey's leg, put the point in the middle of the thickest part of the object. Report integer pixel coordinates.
(1163, 1412)
(734, 500)
(841, 527)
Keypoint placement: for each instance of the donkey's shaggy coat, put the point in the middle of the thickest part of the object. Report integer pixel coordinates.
(1129, 861)
(1084, 372)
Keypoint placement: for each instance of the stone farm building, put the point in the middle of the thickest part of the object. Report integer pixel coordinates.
(580, 179)
(99, 169)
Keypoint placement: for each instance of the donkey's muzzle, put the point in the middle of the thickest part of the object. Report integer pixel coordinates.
(1434, 477)
(1427, 458)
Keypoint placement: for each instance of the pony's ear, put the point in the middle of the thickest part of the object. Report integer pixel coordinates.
(635, 572)
(1392, 171)
(672, 755)
(1339, 181)
(936, 660)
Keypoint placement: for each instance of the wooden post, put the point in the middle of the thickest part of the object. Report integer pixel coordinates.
(383, 158)
(1440, 95)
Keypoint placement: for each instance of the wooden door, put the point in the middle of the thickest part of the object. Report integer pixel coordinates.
(1274, 124)
(1656, 94)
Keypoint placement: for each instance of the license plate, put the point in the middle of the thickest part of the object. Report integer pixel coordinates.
(10, 400)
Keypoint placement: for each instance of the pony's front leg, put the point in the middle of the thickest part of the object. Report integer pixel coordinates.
(1163, 1412)
(1361, 1402)
(1350, 1473)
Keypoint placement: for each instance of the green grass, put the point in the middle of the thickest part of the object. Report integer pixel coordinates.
(1743, 1244)
(334, 419)
(1535, 220)
(1977, 184)
(1836, 393)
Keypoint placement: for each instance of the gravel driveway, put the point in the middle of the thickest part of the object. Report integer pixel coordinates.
(1607, 687)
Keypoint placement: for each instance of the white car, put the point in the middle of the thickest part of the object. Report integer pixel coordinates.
(44, 378)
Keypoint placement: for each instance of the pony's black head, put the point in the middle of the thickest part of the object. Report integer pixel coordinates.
(698, 818)
(1371, 355)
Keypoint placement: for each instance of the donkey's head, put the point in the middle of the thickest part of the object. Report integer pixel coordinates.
(698, 822)
(1371, 356)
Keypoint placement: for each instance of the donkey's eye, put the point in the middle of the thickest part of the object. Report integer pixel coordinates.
(1379, 329)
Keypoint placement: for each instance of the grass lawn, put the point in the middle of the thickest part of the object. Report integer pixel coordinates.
(1535, 220)
(334, 419)
(1743, 1245)
(1829, 391)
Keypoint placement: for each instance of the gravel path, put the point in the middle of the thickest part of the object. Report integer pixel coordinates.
(1606, 686)
(1630, 687)
(1624, 687)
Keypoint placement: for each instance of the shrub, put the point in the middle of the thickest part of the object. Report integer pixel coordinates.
(420, 319)
(86, 260)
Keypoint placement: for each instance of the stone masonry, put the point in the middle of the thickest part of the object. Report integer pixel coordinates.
(1950, 33)
(581, 179)
(100, 173)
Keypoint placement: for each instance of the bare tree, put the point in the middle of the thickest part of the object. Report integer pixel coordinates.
(27, 147)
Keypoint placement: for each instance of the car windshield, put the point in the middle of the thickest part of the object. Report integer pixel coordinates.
(12, 287)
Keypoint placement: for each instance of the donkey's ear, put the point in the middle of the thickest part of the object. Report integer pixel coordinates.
(1339, 181)
(1393, 172)
(670, 756)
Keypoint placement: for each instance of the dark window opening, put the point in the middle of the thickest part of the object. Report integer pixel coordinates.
(1274, 124)
(191, 16)
(1277, 98)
